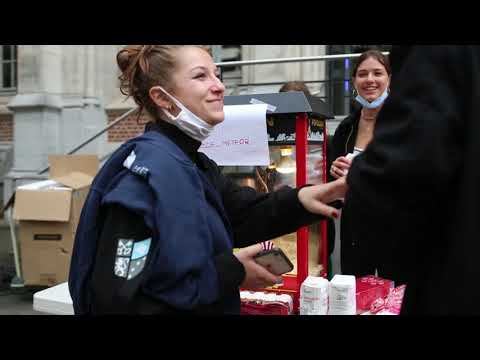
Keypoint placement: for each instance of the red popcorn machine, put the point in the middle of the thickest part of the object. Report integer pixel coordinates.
(296, 125)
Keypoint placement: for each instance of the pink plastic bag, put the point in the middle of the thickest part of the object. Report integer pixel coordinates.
(370, 288)
(391, 305)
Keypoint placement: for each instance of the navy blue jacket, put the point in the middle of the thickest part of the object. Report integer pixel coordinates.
(193, 215)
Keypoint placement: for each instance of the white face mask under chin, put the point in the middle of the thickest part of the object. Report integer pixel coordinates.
(187, 121)
(374, 104)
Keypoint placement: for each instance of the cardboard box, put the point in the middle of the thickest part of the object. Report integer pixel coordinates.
(48, 213)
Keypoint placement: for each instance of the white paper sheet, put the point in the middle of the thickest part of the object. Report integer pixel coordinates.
(241, 139)
(44, 185)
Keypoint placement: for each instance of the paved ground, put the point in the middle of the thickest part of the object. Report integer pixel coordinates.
(17, 303)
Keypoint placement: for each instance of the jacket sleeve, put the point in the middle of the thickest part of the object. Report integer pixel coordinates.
(336, 147)
(115, 292)
(257, 217)
(182, 273)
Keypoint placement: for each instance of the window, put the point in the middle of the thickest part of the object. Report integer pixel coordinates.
(8, 68)
(231, 75)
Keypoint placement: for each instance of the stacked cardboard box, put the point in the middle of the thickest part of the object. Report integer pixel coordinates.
(48, 213)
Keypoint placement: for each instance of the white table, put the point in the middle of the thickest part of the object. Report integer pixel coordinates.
(55, 300)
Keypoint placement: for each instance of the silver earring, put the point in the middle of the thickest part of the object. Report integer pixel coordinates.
(354, 92)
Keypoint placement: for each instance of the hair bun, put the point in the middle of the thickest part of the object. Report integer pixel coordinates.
(126, 56)
(128, 60)
(142, 57)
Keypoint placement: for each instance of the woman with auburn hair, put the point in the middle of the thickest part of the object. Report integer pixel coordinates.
(158, 229)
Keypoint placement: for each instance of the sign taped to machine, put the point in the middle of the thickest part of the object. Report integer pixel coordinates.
(241, 139)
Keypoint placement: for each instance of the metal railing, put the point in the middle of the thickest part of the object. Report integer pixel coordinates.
(317, 93)
(220, 64)
(90, 139)
(289, 60)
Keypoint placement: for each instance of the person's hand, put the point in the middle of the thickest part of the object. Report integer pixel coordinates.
(315, 198)
(340, 167)
(256, 276)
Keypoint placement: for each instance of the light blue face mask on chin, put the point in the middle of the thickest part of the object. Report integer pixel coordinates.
(374, 104)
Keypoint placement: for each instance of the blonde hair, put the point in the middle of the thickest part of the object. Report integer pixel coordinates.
(145, 66)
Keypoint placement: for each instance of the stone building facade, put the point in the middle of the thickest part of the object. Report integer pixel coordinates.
(52, 97)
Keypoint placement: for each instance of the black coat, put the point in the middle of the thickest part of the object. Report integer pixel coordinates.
(358, 257)
(415, 191)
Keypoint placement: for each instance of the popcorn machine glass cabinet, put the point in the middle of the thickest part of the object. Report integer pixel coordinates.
(282, 172)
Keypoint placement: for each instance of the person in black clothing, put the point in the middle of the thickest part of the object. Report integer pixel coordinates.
(371, 79)
(415, 190)
(166, 222)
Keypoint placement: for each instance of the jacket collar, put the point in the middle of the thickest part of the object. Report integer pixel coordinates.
(354, 116)
(187, 144)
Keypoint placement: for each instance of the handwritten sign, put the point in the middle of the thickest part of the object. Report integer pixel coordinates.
(241, 139)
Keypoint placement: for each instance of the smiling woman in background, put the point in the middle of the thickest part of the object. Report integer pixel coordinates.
(371, 80)
(158, 228)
